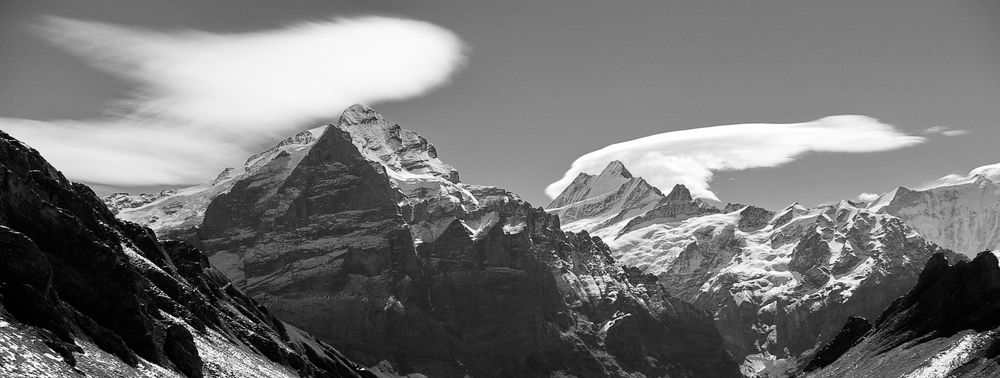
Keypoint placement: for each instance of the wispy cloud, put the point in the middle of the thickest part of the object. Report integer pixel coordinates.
(691, 157)
(201, 98)
(945, 130)
(121, 154)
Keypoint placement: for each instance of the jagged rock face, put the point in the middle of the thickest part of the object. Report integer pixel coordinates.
(946, 325)
(773, 280)
(963, 217)
(852, 333)
(175, 213)
(108, 298)
(371, 243)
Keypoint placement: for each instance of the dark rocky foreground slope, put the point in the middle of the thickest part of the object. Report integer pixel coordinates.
(948, 324)
(367, 240)
(82, 293)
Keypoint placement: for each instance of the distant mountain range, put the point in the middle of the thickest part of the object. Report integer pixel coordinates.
(774, 280)
(379, 261)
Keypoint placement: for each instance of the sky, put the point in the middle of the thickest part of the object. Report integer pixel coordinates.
(513, 93)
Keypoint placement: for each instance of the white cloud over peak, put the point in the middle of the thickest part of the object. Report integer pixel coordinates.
(691, 157)
(262, 79)
(198, 93)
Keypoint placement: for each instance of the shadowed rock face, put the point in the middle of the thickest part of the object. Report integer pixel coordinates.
(73, 275)
(855, 328)
(947, 325)
(372, 244)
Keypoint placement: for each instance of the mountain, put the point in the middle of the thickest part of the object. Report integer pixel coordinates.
(172, 213)
(773, 280)
(604, 204)
(85, 294)
(372, 243)
(963, 216)
(946, 325)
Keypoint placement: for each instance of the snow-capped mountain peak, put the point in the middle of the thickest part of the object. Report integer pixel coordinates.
(404, 153)
(586, 186)
(603, 204)
(615, 169)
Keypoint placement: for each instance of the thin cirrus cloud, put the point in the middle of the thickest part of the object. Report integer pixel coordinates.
(201, 99)
(945, 130)
(691, 157)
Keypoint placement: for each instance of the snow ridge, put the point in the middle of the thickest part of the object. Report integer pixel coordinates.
(963, 216)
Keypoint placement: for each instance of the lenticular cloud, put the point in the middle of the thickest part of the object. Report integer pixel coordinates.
(201, 99)
(260, 79)
(691, 157)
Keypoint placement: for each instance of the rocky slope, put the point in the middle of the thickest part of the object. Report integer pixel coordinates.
(775, 280)
(946, 325)
(962, 216)
(84, 293)
(373, 244)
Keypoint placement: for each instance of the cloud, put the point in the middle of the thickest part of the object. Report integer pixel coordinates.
(945, 130)
(990, 172)
(198, 94)
(691, 157)
(868, 197)
(121, 154)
